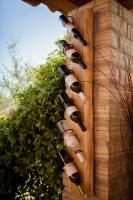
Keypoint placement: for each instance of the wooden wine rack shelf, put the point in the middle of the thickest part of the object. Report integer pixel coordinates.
(83, 19)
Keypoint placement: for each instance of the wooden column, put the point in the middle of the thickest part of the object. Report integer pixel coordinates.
(83, 19)
(113, 32)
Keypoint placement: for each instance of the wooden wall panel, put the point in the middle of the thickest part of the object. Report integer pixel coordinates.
(84, 22)
(112, 31)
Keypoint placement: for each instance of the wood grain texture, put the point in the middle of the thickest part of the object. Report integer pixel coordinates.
(68, 5)
(84, 22)
(63, 5)
(113, 32)
(33, 2)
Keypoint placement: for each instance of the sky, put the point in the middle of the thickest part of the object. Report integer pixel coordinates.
(36, 29)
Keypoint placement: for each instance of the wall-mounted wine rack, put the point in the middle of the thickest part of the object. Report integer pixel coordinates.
(83, 20)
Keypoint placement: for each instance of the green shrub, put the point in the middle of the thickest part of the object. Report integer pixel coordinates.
(29, 140)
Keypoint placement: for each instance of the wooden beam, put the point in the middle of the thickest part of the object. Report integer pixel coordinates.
(126, 3)
(63, 6)
(80, 2)
(33, 2)
(60, 5)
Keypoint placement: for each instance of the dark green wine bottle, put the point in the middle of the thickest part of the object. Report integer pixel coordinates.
(72, 29)
(71, 53)
(70, 139)
(70, 169)
(71, 81)
(71, 110)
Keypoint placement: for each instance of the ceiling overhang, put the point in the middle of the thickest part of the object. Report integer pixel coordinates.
(65, 6)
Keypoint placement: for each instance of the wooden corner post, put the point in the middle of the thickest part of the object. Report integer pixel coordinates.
(83, 20)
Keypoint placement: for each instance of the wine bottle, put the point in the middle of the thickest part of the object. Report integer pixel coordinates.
(71, 110)
(71, 81)
(70, 139)
(72, 29)
(71, 53)
(70, 169)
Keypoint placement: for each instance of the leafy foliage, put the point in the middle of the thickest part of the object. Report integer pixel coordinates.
(17, 77)
(14, 78)
(29, 140)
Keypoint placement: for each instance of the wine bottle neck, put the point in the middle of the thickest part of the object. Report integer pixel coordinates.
(65, 157)
(64, 71)
(81, 39)
(63, 20)
(81, 125)
(66, 101)
(67, 105)
(82, 64)
(78, 36)
(61, 157)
